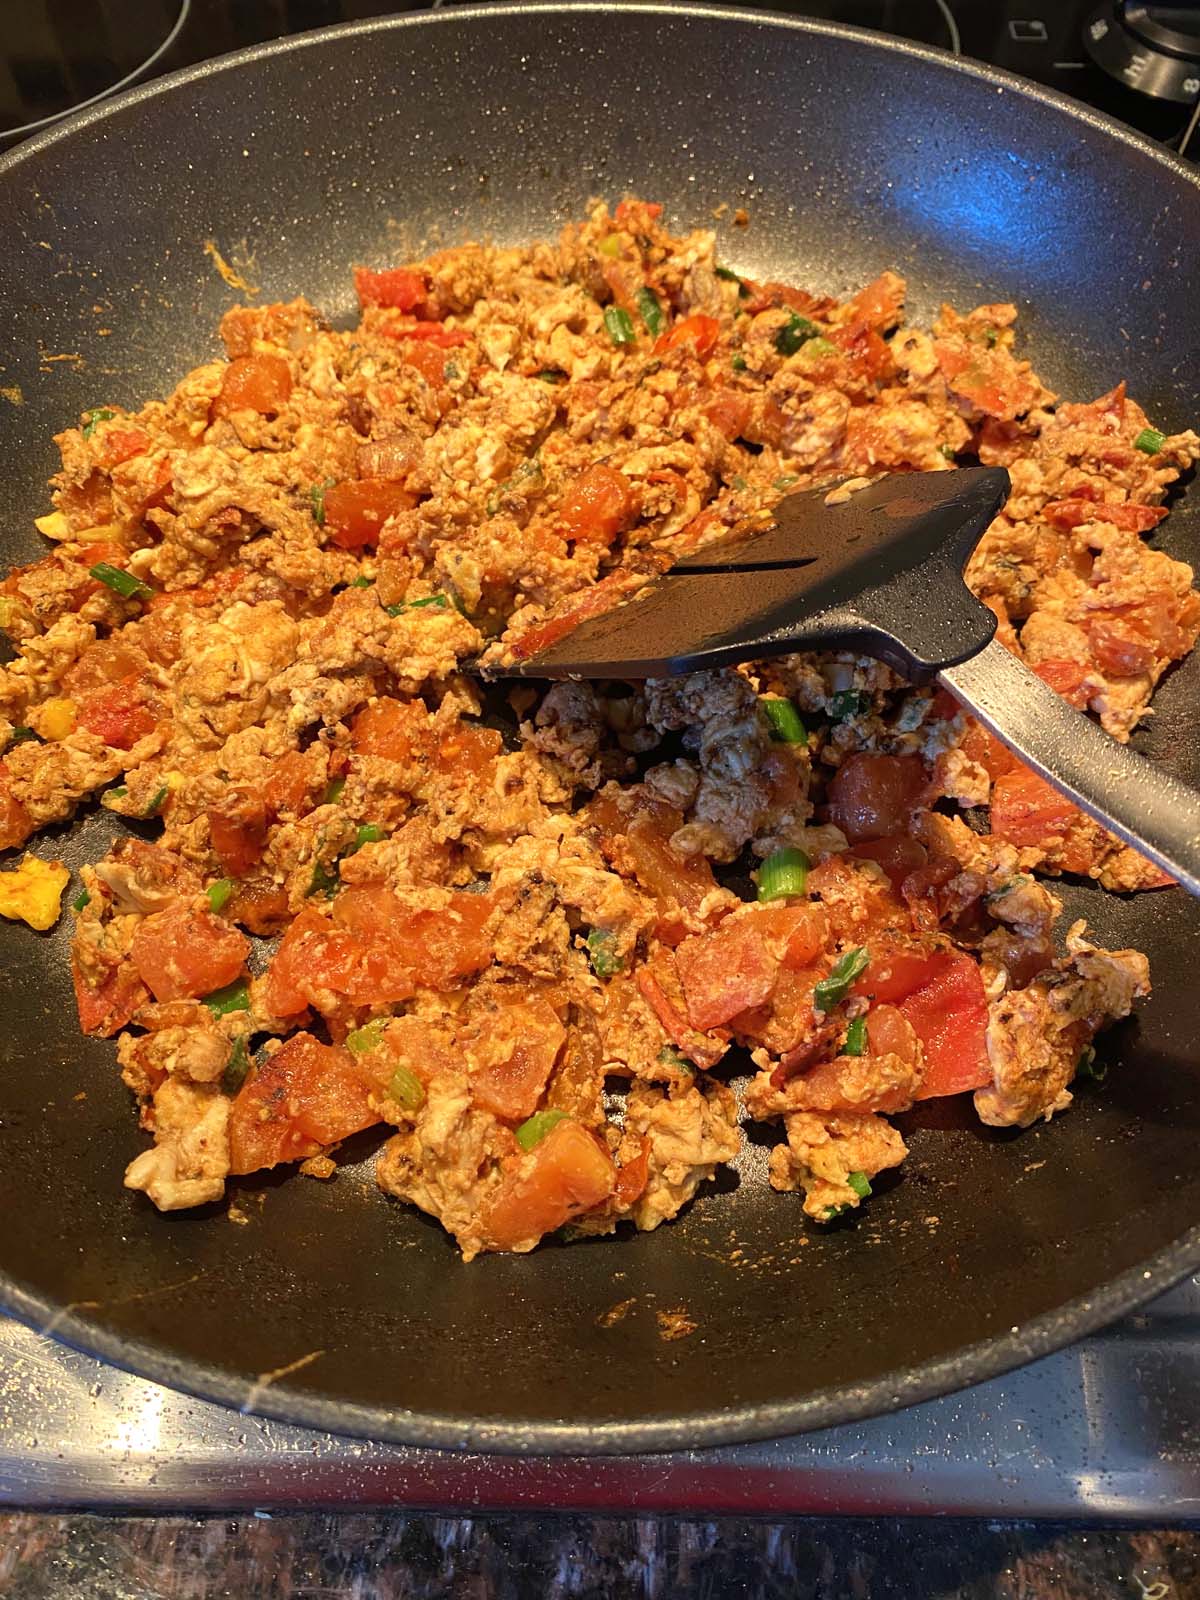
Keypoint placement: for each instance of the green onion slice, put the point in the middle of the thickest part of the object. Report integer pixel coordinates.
(650, 311)
(333, 791)
(237, 1067)
(362, 583)
(855, 1043)
(157, 801)
(368, 1037)
(21, 735)
(602, 953)
(535, 1128)
(368, 833)
(784, 722)
(860, 1183)
(95, 417)
(849, 703)
(732, 277)
(1088, 1067)
(406, 1089)
(739, 364)
(671, 1056)
(782, 874)
(82, 899)
(794, 333)
(122, 582)
(552, 375)
(220, 893)
(234, 996)
(1150, 440)
(317, 496)
(619, 324)
(831, 991)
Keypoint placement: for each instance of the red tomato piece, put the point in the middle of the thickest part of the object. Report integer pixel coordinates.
(699, 331)
(15, 822)
(397, 287)
(597, 506)
(117, 444)
(1131, 518)
(511, 1085)
(305, 1096)
(632, 1179)
(872, 796)
(564, 1175)
(237, 829)
(598, 598)
(443, 945)
(796, 934)
(254, 383)
(1026, 811)
(856, 902)
(118, 715)
(948, 1013)
(105, 1010)
(181, 953)
(393, 729)
(1121, 649)
(355, 511)
(724, 972)
(897, 854)
(630, 212)
(428, 358)
(1066, 678)
(729, 412)
(291, 786)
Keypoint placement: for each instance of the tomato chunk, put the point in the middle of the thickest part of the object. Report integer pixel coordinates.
(939, 993)
(117, 714)
(254, 383)
(356, 511)
(724, 972)
(597, 506)
(1066, 678)
(397, 287)
(1130, 518)
(181, 953)
(522, 1044)
(871, 796)
(237, 829)
(1026, 811)
(106, 1009)
(699, 331)
(15, 822)
(305, 1096)
(564, 1175)
(897, 854)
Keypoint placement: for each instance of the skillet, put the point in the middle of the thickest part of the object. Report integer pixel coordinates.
(330, 1306)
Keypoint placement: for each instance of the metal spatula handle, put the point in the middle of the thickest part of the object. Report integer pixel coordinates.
(1139, 802)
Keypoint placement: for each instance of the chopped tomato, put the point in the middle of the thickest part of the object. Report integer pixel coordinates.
(1026, 811)
(979, 745)
(631, 213)
(864, 349)
(440, 946)
(181, 953)
(1121, 649)
(699, 331)
(632, 1179)
(254, 383)
(355, 511)
(428, 358)
(871, 796)
(729, 412)
(564, 1175)
(1131, 518)
(939, 993)
(291, 785)
(468, 748)
(105, 1010)
(1066, 678)
(237, 828)
(990, 380)
(598, 598)
(116, 445)
(15, 822)
(725, 972)
(638, 843)
(261, 908)
(856, 902)
(102, 664)
(796, 935)
(840, 1085)
(702, 1048)
(118, 714)
(881, 303)
(397, 287)
(389, 728)
(520, 1046)
(597, 506)
(896, 853)
(305, 1096)
(889, 1033)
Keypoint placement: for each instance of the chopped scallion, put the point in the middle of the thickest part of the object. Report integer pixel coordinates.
(95, 417)
(552, 375)
(368, 833)
(783, 873)
(602, 953)
(831, 991)
(849, 703)
(535, 1128)
(739, 364)
(406, 1089)
(121, 582)
(1150, 440)
(21, 735)
(362, 583)
(860, 1183)
(322, 881)
(784, 722)
(650, 311)
(793, 334)
(948, 451)
(670, 1056)
(220, 893)
(368, 1037)
(157, 801)
(855, 1043)
(732, 277)
(619, 324)
(237, 1067)
(990, 337)
(785, 482)
(233, 997)
(1088, 1067)
(82, 899)
(317, 496)
(333, 791)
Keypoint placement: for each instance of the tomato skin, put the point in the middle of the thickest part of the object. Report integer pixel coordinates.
(725, 972)
(1066, 678)
(897, 854)
(356, 511)
(395, 287)
(182, 953)
(1026, 811)
(1131, 518)
(254, 383)
(105, 1010)
(871, 796)
(117, 714)
(564, 1175)
(303, 1097)
(511, 1088)
(939, 993)
(600, 597)
(699, 331)
(597, 506)
(435, 333)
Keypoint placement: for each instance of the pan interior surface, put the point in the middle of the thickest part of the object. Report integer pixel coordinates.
(330, 1305)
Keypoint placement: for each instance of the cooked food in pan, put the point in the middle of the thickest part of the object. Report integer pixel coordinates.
(530, 929)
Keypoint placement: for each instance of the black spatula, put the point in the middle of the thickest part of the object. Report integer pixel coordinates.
(879, 572)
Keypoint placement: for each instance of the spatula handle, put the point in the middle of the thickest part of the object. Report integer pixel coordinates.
(1139, 802)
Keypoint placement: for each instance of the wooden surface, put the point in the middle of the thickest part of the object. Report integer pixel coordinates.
(414, 1556)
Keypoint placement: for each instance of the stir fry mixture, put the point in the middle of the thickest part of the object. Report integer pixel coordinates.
(525, 927)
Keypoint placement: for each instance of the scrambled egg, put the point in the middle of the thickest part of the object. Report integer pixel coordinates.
(33, 893)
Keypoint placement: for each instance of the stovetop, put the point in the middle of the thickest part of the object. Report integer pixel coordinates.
(1108, 1428)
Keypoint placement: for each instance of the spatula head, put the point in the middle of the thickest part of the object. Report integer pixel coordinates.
(879, 572)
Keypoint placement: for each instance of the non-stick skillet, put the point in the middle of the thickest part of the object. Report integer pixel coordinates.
(850, 153)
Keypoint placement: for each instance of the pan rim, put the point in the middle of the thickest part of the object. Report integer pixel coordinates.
(821, 1408)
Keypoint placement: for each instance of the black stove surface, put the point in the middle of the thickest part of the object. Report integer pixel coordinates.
(1140, 63)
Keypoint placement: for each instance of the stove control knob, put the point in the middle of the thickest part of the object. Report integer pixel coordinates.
(1152, 49)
